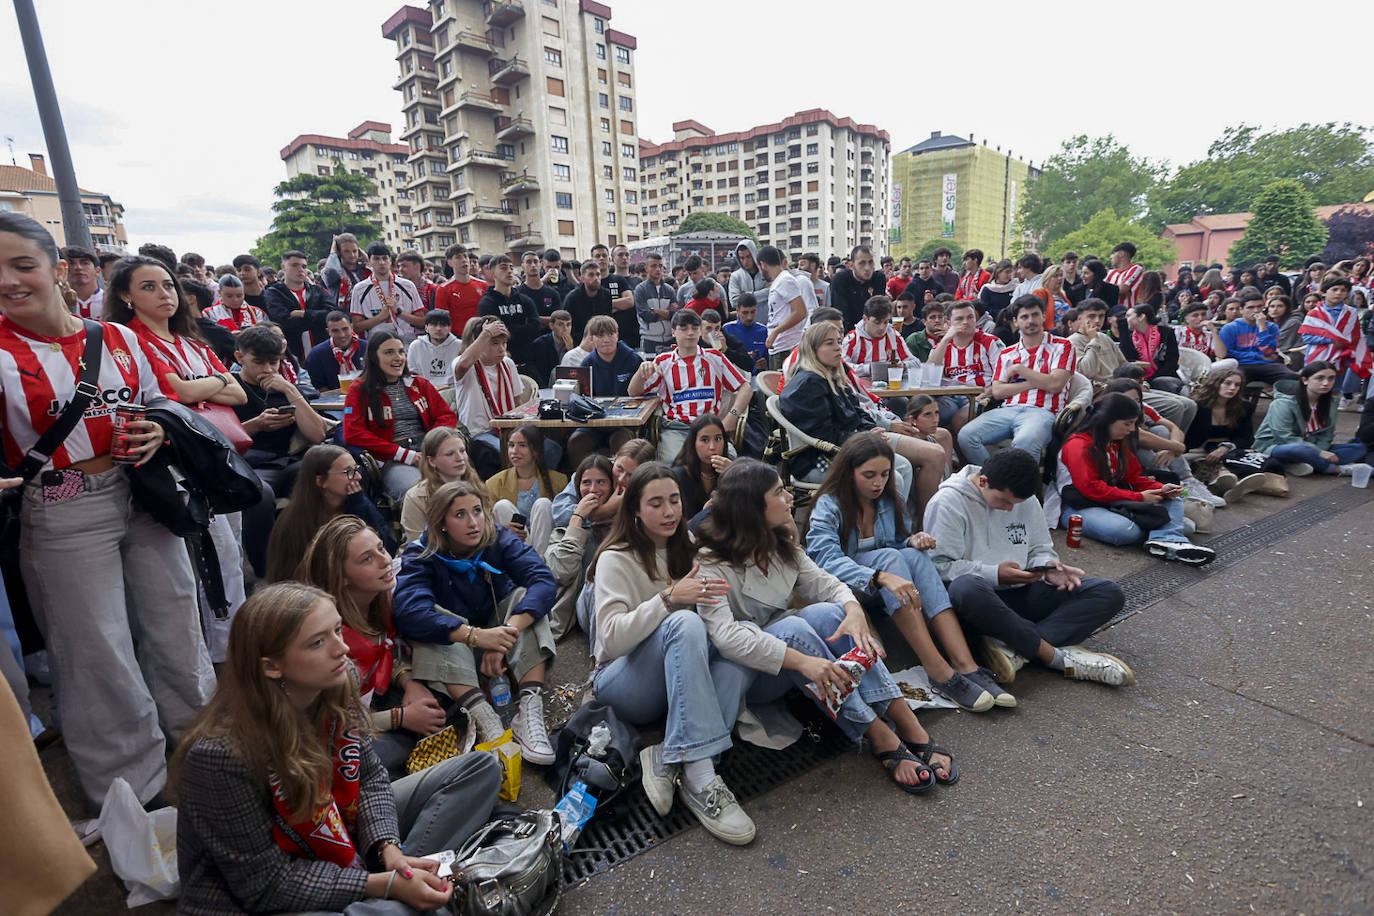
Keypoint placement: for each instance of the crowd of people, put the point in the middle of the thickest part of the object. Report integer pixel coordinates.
(405, 563)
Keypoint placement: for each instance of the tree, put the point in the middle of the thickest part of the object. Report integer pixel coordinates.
(708, 221)
(312, 209)
(1334, 163)
(1105, 231)
(1285, 223)
(1087, 175)
(1352, 234)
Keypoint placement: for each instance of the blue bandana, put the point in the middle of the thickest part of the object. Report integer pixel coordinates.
(468, 567)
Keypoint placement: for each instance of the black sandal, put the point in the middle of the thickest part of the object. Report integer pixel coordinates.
(925, 751)
(893, 759)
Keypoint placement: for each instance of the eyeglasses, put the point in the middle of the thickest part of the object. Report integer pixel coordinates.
(350, 472)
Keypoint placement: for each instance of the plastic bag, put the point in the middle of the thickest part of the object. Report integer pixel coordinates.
(142, 846)
(508, 753)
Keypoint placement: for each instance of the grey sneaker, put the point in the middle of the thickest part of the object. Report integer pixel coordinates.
(1250, 483)
(966, 693)
(719, 813)
(488, 723)
(1198, 490)
(1225, 481)
(658, 778)
(1003, 662)
(983, 678)
(1299, 469)
(1083, 665)
(531, 733)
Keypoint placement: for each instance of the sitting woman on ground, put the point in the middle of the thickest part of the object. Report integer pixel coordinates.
(473, 597)
(858, 533)
(347, 561)
(750, 542)
(526, 488)
(1101, 480)
(700, 462)
(819, 400)
(1299, 429)
(326, 486)
(443, 459)
(572, 547)
(923, 413)
(628, 457)
(282, 804)
(1154, 346)
(652, 656)
(1221, 437)
(1162, 443)
(389, 410)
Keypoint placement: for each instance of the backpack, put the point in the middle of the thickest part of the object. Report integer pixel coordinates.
(606, 777)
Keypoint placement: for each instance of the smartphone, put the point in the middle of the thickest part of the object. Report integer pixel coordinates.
(289, 408)
(1040, 569)
(520, 519)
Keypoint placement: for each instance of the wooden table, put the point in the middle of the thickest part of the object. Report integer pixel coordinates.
(621, 413)
(934, 391)
(329, 403)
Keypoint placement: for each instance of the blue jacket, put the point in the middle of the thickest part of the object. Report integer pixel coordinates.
(613, 379)
(823, 540)
(427, 581)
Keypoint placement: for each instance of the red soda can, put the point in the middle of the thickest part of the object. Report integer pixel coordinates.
(1074, 537)
(120, 441)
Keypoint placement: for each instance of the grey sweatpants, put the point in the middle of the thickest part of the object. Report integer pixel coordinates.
(1023, 615)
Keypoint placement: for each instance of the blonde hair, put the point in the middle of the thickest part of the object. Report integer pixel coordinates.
(437, 511)
(429, 447)
(811, 341)
(325, 566)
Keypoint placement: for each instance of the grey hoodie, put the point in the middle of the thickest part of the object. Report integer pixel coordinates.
(742, 281)
(972, 538)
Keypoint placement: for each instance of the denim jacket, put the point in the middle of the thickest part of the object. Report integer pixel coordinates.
(823, 540)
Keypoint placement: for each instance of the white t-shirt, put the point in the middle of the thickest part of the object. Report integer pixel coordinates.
(483, 387)
(434, 362)
(783, 290)
(367, 301)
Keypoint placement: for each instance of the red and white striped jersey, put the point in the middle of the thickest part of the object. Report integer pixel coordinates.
(693, 385)
(1195, 340)
(38, 377)
(970, 283)
(1342, 345)
(183, 357)
(859, 349)
(1130, 278)
(237, 319)
(1053, 353)
(91, 308)
(974, 364)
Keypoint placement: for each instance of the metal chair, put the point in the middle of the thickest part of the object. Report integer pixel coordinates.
(795, 442)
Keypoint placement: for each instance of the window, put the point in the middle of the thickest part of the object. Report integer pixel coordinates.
(813, 186)
(623, 79)
(553, 56)
(606, 148)
(551, 26)
(601, 75)
(750, 197)
(813, 149)
(631, 197)
(626, 103)
(600, 52)
(352, 154)
(813, 222)
(812, 130)
(610, 219)
(605, 125)
(562, 172)
(555, 86)
(627, 127)
(560, 144)
(565, 227)
(563, 200)
(610, 195)
(505, 150)
(628, 172)
(622, 54)
(603, 100)
(627, 151)
(608, 172)
(323, 170)
(599, 25)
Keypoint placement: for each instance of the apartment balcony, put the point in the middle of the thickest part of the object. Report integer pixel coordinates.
(485, 214)
(865, 225)
(501, 15)
(512, 183)
(866, 176)
(524, 237)
(866, 210)
(476, 42)
(866, 156)
(481, 157)
(507, 72)
(459, 133)
(94, 220)
(480, 100)
(513, 128)
(458, 193)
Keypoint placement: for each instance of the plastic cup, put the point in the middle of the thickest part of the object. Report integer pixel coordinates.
(1359, 475)
(894, 377)
(344, 382)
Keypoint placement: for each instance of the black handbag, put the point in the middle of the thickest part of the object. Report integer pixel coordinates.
(550, 409)
(1147, 516)
(582, 409)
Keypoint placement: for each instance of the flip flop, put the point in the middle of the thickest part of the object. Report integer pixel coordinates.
(924, 752)
(893, 759)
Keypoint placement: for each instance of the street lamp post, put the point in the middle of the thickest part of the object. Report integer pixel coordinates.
(68, 191)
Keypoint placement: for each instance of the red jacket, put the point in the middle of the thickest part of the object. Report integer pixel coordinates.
(1087, 475)
(362, 431)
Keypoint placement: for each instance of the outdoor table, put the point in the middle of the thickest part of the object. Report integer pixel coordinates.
(623, 412)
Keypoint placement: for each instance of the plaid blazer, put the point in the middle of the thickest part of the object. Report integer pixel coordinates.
(228, 860)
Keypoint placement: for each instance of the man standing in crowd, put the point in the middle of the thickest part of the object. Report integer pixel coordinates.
(1031, 380)
(788, 314)
(853, 286)
(411, 266)
(249, 270)
(753, 337)
(747, 278)
(1075, 290)
(943, 273)
(461, 294)
(923, 287)
(343, 270)
(973, 277)
(1270, 275)
(1028, 270)
(809, 269)
(554, 274)
(654, 304)
(546, 298)
(516, 310)
(697, 270)
(300, 308)
(1124, 275)
(342, 353)
(1252, 341)
(587, 299)
(82, 291)
(896, 284)
(385, 301)
(621, 289)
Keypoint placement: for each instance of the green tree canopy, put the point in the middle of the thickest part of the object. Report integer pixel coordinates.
(1087, 175)
(1105, 231)
(312, 209)
(1333, 162)
(1285, 223)
(708, 221)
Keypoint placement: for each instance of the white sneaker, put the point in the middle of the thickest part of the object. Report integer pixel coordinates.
(1197, 514)
(715, 806)
(488, 723)
(88, 829)
(530, 731)
(1225, 481)
(1182, 551)
(1250, 483)
(1083, 665)
(1349, 402)
(1299, 469)
(1002, 661)
(1198, 490)
(658, 778)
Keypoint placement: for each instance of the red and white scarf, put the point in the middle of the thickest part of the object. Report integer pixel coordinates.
(1146, 345)
(345, 357)
(327, 833)
(503, 399)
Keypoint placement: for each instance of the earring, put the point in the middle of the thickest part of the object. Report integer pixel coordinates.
(281, 682)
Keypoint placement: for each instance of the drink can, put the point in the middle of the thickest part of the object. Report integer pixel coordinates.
(120, 441)
(1074, 538)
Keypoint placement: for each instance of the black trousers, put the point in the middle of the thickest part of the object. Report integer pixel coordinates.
(1023, 615)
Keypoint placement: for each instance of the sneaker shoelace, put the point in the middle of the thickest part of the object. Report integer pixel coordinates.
(536, 732)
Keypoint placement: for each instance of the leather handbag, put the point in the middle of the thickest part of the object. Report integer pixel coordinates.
(582, 409)
(512, 866)
(227, 422)
(550, 409)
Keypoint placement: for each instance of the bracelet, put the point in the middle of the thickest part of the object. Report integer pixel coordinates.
(666, 597)
(396, 717)
(401, 720)
(386, 893)
(471, 639)
(224, 382)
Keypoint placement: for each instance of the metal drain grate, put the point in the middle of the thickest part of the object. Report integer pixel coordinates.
(750, 771)
(1152, 585)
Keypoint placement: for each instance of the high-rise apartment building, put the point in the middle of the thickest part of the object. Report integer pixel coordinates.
(960, 192)
(520, 124)
(367, 150)
(811, 182)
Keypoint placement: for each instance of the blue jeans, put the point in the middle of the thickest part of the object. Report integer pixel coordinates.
(675, 672)
(1106, 526)
(1179, 465)
(806, 631)
(950, 404)
(1029, 429)
(913, 565)
(1302, 453)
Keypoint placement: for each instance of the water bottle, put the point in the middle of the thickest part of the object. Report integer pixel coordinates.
(574, 810)
(499, 688)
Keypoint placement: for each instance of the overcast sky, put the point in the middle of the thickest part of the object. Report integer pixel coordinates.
(179, 110)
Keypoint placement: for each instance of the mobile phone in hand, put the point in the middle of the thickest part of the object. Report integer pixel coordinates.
(520, 519)
(287, 408)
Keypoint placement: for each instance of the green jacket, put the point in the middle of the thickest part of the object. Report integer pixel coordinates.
(919, 345)
(1285, 423)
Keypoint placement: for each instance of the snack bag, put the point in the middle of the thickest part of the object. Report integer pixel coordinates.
(857, 662)
(508, 753)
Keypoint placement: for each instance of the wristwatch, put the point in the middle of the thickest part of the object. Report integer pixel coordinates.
(734, 412)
